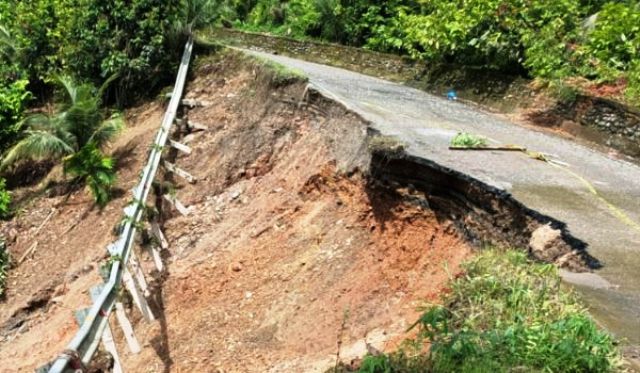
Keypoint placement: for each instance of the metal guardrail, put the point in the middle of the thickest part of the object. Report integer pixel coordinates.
(83, 346)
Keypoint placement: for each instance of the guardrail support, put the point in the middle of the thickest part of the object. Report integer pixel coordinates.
(181, 147)
(82, 347)
(157, 232)
(107, 335)
(178, 171)
(177, 204)
(138, 298)
(127, 329)
(193, 126)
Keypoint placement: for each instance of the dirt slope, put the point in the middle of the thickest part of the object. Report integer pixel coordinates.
(291, 251)
(288, 249)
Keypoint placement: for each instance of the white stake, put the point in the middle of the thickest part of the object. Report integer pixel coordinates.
(157, 232)
(193, 126)
(110, 346)
(127, 329)
(134, 264)
(180, 172)
(177, 204)
(183, 148)
(140, 301)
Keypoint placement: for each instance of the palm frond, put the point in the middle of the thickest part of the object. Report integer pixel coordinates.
(7, 43)
(107, 130)
(106, 84)
(37, 145)
(70, 87)
(36, 122)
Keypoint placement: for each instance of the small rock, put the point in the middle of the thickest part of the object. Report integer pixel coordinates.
(236, 194)
(546, 243)
(12, 235)
(248, 295)
(236, 267)
(56, 300)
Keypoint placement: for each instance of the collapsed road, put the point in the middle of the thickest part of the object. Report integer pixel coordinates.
(593, 197)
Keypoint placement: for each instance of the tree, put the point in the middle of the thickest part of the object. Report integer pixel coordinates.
(76, 133)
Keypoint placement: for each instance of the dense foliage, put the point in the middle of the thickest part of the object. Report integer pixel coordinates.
(550, 39)
(126, 41)
(505, 313)
(75, 132)
(129, 47)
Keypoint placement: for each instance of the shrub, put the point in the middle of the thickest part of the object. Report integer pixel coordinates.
(14, 96)
(5, 200)
(506, 312)
(614, 43)
(90, 166)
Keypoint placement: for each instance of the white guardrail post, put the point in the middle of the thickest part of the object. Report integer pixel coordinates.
(82, 347)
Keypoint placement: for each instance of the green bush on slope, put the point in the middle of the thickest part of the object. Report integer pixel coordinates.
(505, 313)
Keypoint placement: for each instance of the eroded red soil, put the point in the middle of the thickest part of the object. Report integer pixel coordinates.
(291, 254)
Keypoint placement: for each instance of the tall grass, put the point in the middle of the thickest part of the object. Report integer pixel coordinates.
(505, 313)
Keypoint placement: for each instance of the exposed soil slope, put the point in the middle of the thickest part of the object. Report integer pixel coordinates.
(288, 250)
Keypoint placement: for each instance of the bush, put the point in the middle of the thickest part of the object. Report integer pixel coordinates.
(5, 200)
(90, 166)
(613, 45)
(14, 96)
(504, 313)
(549, 39)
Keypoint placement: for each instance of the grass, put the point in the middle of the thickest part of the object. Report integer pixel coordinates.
(282, 75)
(467, 140)
(504, 313)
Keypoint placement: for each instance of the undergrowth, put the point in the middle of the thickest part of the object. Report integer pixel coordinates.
(504, 313)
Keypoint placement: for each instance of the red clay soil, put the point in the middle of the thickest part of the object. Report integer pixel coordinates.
(289, 253)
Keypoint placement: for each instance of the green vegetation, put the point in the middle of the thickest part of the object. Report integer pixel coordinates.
(504, 313)
(282, 75)
(548, 39)
(5, 200)
(75, 133)
(128, 47)
(467, 140)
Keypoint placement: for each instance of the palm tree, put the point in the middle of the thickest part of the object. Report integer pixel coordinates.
(78, 122)
(76, 133)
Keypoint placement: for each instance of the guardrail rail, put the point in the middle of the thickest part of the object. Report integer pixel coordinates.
(95, 321)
